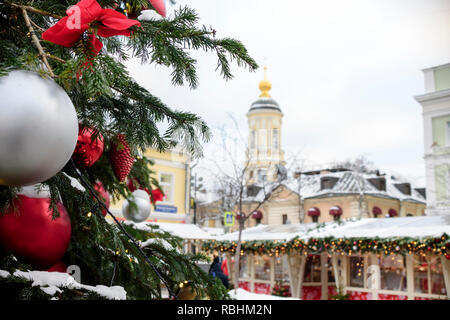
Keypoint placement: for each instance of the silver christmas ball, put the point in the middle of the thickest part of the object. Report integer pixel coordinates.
(38, 128)
(141, 194)
(141, 211)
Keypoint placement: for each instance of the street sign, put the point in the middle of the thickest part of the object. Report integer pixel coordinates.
(165, 208)
(228, 218)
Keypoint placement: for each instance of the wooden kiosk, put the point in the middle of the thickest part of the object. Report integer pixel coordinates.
(369, 259)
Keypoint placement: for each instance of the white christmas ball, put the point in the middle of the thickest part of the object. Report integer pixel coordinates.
(38, 128)
(141, 211)
(142, 194)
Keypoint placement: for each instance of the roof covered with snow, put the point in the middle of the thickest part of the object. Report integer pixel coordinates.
(404, 227)
(182, 230)
(350, 182)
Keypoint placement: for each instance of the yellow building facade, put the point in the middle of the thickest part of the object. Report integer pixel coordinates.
(172, 171)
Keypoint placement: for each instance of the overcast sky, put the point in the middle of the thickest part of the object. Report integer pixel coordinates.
(345, 74)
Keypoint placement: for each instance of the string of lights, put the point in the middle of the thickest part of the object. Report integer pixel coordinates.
(343, 246)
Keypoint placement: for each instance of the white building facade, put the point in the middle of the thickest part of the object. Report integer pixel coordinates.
(435, 104)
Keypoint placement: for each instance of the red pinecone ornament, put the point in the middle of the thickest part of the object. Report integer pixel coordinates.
(120, 156)
(87, 151)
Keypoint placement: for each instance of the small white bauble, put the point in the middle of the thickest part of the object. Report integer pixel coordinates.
(141, 211)
(142, 194)
(38, 128)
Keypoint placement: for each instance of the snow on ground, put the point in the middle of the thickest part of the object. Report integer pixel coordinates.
(241, 294)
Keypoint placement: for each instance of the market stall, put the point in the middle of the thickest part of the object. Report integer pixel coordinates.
(401, 258)
(193, 236)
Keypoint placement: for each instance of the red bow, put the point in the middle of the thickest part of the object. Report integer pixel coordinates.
(88, 14)
(157, 195)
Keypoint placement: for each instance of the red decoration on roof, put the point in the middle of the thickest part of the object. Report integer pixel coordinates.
(257, 215)
(376, 211)
(392, 213)
(313, 212)
(239, 216)
(336, 211)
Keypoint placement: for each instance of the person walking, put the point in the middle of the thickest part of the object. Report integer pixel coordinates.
(216, 271)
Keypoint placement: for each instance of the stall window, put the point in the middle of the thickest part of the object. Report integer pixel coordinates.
(356, 272)
(312, 269)
(262, 267)
(330, 271)
(281, 269)
(392, 273)
(428, 276)
(243, 269)
(315, 219)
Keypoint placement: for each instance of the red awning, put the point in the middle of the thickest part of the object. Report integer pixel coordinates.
(376, 211)
(392, 213)
(336, 211)
(313, 212)
(257, 215)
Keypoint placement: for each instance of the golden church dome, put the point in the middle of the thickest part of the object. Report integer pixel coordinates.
(265, 102)
(265, 85)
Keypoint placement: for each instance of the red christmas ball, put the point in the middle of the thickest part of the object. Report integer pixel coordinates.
(133, 184)
(103, 195)
(58, 267)
(87, 151)
(31, 233)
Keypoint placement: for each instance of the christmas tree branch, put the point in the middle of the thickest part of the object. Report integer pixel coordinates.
(31, 9)
(36, 41)
(132, 240)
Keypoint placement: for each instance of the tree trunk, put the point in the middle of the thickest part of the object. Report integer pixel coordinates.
(238, 255)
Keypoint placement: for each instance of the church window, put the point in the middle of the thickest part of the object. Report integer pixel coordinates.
(448, 133)
(253, 139)
(262, 175)
(275, 138)
(262, 141)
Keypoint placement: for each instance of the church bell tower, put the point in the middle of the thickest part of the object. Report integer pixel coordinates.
(264, 142)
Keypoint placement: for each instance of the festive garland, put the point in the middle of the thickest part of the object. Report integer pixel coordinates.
(344, 246)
